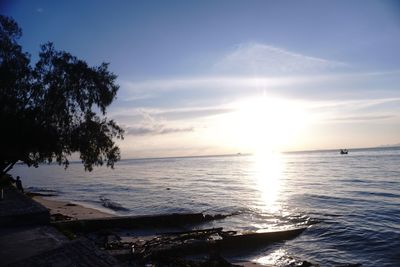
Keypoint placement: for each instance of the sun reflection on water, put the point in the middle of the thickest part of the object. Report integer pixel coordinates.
(267, 171)
(278, 257)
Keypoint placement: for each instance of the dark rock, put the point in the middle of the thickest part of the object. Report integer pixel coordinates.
(112, 241)
(306, 264)
(60, 217)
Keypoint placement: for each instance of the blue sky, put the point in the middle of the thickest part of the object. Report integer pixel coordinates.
(194, 74)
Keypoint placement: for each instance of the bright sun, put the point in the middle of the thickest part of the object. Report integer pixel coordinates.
(265, 124)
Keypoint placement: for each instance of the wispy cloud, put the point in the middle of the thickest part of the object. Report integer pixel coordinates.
(154, 116)
(207, 91)
(256, 68)
(262, 59)
(213, 85)
(248, 66)
(353, 104)
(155, 130)
(362, 118)
(39, 10)
(190, 83)
(150, 126)
(356, 109)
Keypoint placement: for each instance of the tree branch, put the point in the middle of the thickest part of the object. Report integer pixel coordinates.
(10, 166)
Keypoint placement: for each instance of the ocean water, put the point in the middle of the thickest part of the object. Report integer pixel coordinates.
(351, 202)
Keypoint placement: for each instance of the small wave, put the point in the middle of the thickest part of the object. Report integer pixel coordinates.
(379, 194)
(325, 214)
(42, 191)
(356, 181)
(107, 203)
(299, 220)
(228, 209)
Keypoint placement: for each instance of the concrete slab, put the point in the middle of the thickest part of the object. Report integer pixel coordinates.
(28, 239)
(16, 209)
(23, 242)
(79, 252)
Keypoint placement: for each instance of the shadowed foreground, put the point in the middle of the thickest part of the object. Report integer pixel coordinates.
(28, 239)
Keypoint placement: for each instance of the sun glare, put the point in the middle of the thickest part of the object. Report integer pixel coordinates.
(266, 124)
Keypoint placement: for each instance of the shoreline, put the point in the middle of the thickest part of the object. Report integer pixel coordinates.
(65, 210)
(70, 211)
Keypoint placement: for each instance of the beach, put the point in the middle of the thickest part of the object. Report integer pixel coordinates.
(70, 210)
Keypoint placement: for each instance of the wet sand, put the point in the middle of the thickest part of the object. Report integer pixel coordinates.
(75, 211)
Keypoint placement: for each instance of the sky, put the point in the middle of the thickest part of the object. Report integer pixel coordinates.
(221, 77)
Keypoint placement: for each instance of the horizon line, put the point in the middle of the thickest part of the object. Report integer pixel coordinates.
(249, 153)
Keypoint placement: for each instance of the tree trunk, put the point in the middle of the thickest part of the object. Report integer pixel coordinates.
(7, 168)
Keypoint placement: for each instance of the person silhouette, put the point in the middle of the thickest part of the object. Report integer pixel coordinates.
(18, 184)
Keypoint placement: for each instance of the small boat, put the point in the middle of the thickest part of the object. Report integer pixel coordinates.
(344, 151)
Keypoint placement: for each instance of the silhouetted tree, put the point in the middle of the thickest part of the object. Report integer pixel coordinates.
(53, 108)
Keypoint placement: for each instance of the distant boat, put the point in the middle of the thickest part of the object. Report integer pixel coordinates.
(344, 151)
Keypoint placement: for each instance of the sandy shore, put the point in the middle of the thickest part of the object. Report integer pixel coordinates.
(74, 211)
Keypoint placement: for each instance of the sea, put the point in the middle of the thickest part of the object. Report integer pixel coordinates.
(350, 203)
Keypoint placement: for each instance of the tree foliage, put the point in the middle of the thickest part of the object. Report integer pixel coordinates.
(53, 108)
